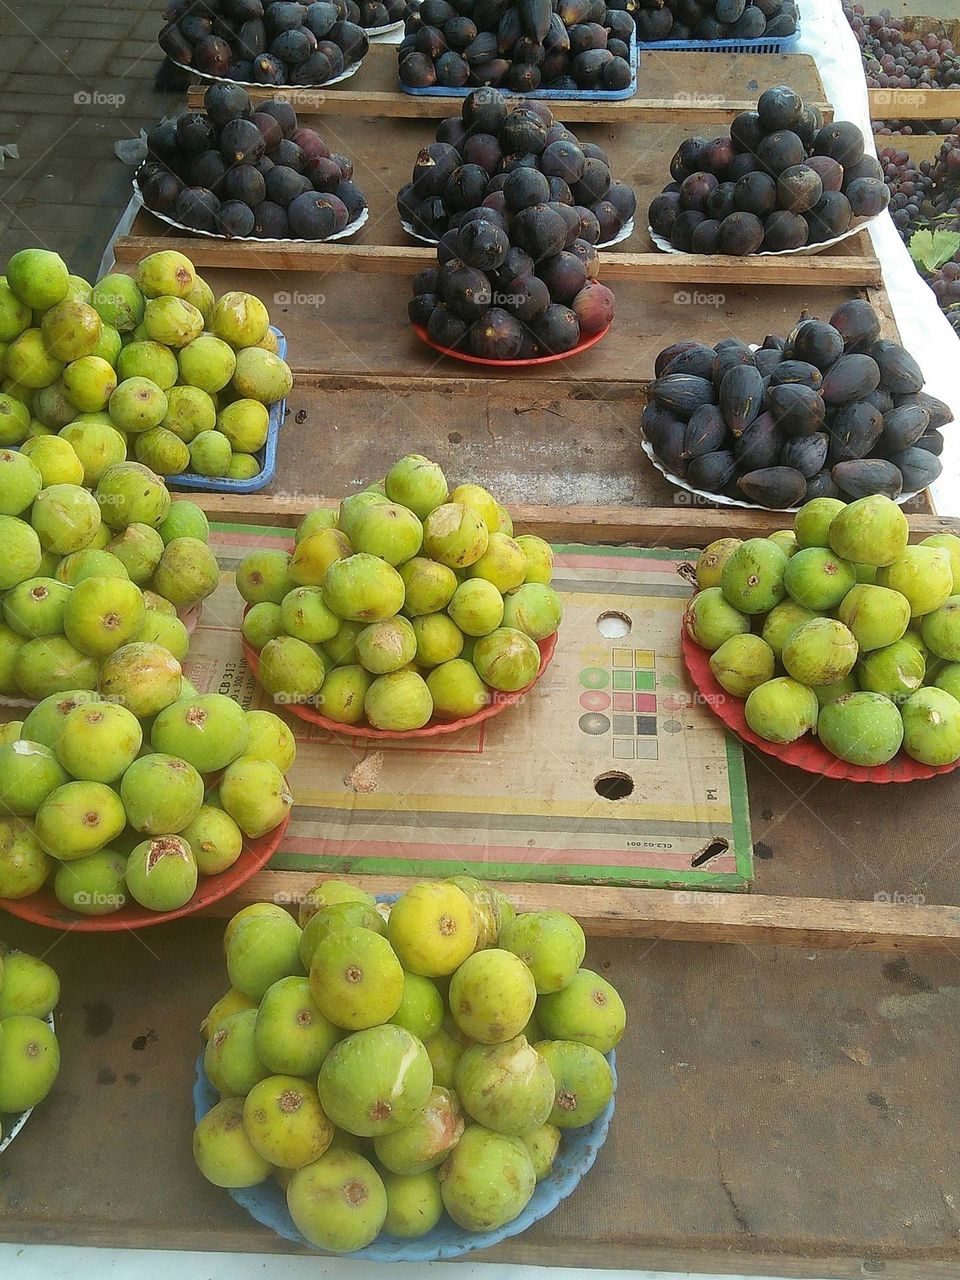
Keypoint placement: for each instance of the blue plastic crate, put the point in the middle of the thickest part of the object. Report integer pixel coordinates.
(551, 95)
(762, 44)
(267, 455)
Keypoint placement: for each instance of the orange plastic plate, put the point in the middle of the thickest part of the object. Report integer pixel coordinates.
(807, 753)
(44, 908)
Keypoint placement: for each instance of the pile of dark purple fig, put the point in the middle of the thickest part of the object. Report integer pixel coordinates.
(239, 168)
(273, 42)
(833, 410)
(781, 180)
(566, 45)
(506, 160)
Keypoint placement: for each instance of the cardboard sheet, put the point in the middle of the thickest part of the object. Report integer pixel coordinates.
(608, 772)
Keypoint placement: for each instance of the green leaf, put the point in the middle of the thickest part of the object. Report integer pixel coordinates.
(931, 250)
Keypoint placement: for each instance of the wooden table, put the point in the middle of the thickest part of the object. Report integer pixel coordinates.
(382, 129)
(780, 1112)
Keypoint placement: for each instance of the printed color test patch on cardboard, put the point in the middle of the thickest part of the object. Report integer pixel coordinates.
(609, 772)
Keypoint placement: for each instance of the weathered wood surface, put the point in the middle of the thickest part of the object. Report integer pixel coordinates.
(690, 87)
(383, 152)
(780, 1112)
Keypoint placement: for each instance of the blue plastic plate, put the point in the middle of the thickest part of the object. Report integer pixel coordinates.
(267, 1203)
(579, 1148)
(551, 95)
(761, 44)
(267, 456)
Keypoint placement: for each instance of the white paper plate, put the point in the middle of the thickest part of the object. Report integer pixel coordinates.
(21, 1117)
(276, 89)
(350, 229)
(625, 232)
(804, 251)
(374, 32)
(721, 499)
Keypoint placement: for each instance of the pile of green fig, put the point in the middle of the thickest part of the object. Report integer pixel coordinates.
(86, 572)
(838, 627)
(411, 602)
(152, 368)
(388, 1065)
(29, 1052)
(130, 792)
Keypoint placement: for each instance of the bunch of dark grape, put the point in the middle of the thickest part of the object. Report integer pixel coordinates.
(910, 185)
(945, 172)
(894, 57)
(945, 283)
(911, 128)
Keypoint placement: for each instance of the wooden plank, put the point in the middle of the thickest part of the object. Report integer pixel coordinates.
(731, 84)
(689, 268)
(366, 391)
(680, 915)
(651, 526)
(937, 10)
(383, 153)
(919, 147)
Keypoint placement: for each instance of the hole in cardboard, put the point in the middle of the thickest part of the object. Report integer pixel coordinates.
(613, 785)
(614, 625)
(712, 850)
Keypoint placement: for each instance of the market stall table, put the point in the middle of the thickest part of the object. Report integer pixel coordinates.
(780, 1112)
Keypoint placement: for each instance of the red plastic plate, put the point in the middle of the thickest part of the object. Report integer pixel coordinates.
(434, 728)
(806, 753)
(509, 364)
(44, 908)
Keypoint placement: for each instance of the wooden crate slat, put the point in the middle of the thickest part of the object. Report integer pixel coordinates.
(666, 90)
(921, 104)
(643, 526)
(706, 269)
(678, 915)
(914, 104)
(919, 147)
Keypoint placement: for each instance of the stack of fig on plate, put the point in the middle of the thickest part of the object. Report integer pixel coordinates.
(833, 410)
(781, 180)
(476, 152)
(570, 46)
(516, 284)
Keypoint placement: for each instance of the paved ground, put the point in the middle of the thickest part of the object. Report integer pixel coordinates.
(75, 76)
